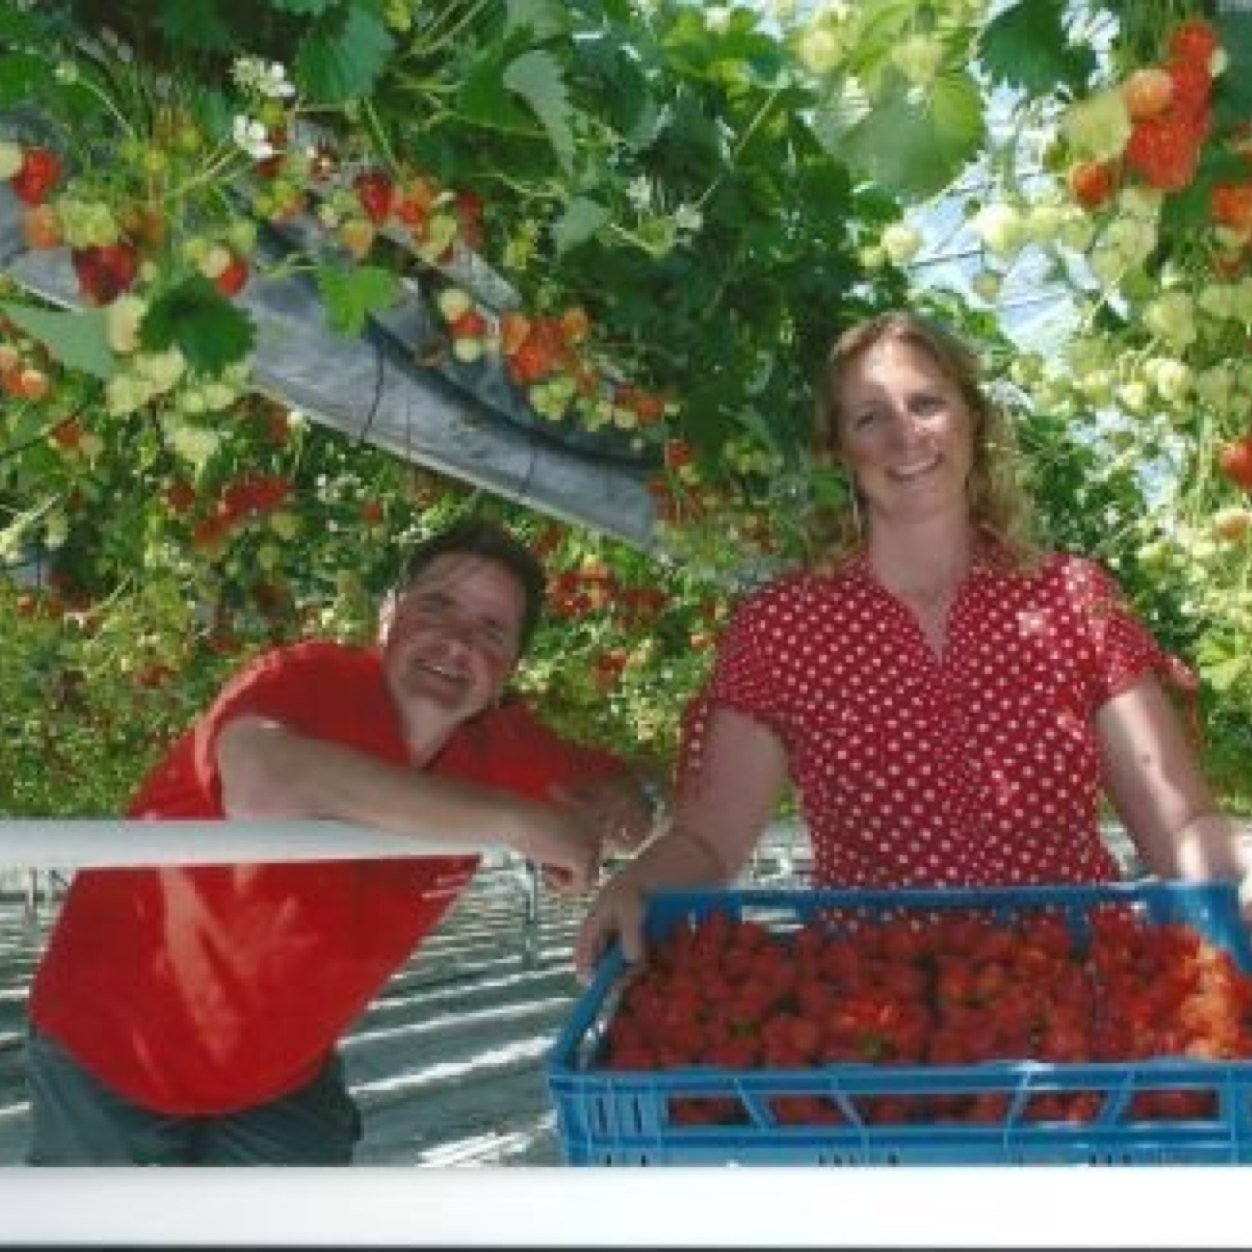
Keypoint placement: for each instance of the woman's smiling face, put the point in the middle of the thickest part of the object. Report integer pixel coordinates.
(904, 432)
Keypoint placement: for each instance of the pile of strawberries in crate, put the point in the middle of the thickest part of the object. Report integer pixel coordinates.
(941, 989)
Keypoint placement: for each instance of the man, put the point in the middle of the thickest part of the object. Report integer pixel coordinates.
(190, 1015)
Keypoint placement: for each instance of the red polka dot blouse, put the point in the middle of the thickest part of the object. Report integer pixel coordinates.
(978, 767)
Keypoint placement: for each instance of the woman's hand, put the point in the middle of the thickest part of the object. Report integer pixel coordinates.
(617, 913)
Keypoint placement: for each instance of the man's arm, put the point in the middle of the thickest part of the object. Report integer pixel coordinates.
(270, 771)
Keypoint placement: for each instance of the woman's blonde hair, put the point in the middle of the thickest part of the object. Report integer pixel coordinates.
(997, 502)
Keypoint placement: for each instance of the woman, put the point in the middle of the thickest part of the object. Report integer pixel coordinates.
(949, 702)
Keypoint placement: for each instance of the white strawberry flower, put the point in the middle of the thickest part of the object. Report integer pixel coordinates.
(253, 137)
(264, 78)
(688, 219)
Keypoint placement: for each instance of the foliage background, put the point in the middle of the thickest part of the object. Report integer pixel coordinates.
(701, 196)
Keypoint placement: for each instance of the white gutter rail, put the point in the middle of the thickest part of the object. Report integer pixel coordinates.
(73, 843)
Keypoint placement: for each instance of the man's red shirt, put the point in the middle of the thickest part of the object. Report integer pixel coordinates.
(201, 990)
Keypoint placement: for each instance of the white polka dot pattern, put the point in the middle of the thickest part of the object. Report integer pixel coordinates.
(977, 767)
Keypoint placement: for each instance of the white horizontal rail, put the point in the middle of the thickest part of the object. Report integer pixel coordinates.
(88, 843)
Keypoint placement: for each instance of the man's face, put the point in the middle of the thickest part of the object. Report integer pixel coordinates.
(451, 640)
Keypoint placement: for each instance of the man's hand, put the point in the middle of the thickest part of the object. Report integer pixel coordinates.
(617, 807)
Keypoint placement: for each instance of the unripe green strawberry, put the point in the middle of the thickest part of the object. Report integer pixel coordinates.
(454, 303)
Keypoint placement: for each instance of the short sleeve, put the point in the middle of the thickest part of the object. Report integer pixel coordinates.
(1123, 649)
(744, 678)
(314, 689)
(512, 748)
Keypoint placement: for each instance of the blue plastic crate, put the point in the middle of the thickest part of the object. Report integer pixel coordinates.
(616, 1117)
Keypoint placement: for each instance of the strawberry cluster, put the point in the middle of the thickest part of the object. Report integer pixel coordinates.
(247, 498)
(546, 357)
(954, 988)
(1169, 107)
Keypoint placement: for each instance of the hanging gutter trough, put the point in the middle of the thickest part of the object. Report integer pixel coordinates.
(466, 422)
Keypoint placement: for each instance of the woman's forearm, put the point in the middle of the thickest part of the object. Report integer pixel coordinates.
(676, 858)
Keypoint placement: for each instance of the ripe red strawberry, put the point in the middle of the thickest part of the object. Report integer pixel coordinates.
(1147, 92)
(470, 325)
(1191, 90)
(105, 272)
(40, 172)
(677, 454)
(1164, 152)
(514, 329)
(68, 435)
(1194, 40)
(181, 496)
(232, 279)
(376, 193)
(1235, 461)
(415, 203)
(41, 227)
(1231, 205)
(649, 406)
(531, 361)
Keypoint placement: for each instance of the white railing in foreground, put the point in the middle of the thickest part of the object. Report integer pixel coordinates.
(89, 843)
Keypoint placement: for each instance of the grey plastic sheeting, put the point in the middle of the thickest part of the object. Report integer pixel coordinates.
(372, 388)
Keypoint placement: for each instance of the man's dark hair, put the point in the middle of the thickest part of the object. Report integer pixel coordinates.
(476, 536)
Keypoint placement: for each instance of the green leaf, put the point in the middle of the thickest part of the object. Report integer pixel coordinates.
(343, 55)
(543, 18)
(196, 318)
(537, 78)
(77, 338)
(351, 294)
(1026, 47)
(1222, 675)
(912, 147)
(1190, 208)
(196, 25)
(484, 101)
(1232, 94)
(306, 7)
(580, 221)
